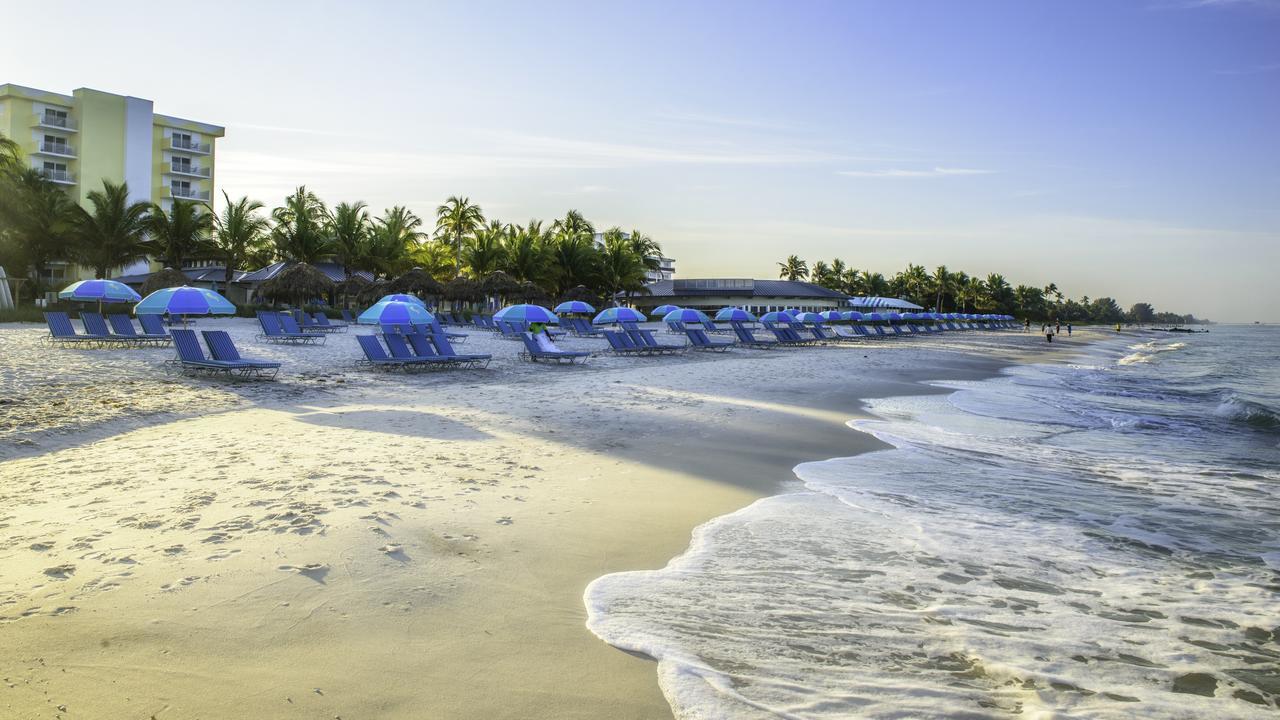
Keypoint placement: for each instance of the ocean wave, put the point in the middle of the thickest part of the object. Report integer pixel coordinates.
(1248, 412)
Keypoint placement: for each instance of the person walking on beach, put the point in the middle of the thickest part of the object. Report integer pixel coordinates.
(1057, 327)
(1026, 325)
(1048, 333)
(1068, 329)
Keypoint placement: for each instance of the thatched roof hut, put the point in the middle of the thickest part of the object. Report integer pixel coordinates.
(299, 283)
(463, 290)
(585, 294)
(165, 278)
(416, 282)
(531, 292)
(499, 284)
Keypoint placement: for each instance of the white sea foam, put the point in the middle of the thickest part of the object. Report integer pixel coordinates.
(1013, 555)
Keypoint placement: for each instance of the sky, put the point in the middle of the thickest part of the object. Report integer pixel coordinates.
(1126, 149)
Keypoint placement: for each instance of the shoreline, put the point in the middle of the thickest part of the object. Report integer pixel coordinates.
(458, 577)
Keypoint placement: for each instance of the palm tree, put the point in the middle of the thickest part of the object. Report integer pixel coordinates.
(10, 154)
(434, 256)
(526, 252)
(793, 268)
(394, 241)
(113, 233)
(998, 292)
(239, 233)
(874, 284)
(941, 284)
(300, 228)
(975, 293)
(575, 260)
(1028, 299)
(457, 218)
(36, 216)
(485, 251)
(621, 268)
(179, 234)
(820, 273)
(349, 229)
(573, 224)
(647, 249)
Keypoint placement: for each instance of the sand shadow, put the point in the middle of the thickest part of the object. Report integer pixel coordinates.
(410, 423)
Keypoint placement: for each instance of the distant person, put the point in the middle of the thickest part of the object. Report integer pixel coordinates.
(1048, 333)
(1026, 326)
(1057, 327)
(540, 336)
(1117, 327)
(1068, 329)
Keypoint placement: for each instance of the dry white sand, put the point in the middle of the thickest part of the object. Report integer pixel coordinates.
(348, 543)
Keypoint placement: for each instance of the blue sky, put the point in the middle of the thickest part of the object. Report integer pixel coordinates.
(1115, 148)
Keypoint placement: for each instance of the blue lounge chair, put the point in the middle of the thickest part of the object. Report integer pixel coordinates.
(436, 328)
(789, 338)
(223, 349)
(121, 325)
(698, 340)
(95, 326)
(645, 339)
(273, 330)
(62, 332)
(747, 338)
(713, 328)
(347, 317)
(533, 353)
(622, 345)
(322, 323)
(153, 326)
(675, 327)
(375, 356)
(399, 347)
(190, 358)
(582, 328)
(826, 334)
(437, 345)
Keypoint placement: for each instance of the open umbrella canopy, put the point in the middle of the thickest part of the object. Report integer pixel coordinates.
(809, 317)
(688, 315)
(875, 317)
(574, 306)
(401, 297)
(396, 312)
(184, 301)
(853, 315)
(832, 315)
(108, 291)
(778, 316)
(526, 314)
(733, 314)
(662, 310)
(617, 315)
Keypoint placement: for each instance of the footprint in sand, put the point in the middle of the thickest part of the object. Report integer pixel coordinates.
(504, 520)
(41, 546)
(315, 571)
(61, 572)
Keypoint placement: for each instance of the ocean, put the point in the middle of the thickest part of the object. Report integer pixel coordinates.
(1093, 539)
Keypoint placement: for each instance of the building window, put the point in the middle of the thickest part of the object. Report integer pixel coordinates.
(53, 143)
(55, 117)
(55, 167)
(182, 164)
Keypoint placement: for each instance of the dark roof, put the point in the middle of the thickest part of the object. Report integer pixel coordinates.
(756, 288)
(333, 271)
(203, 274)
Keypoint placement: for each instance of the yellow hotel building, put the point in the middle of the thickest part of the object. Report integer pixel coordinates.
(81, 139)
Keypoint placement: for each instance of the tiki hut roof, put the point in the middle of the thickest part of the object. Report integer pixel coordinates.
(499, 284)
(416, 282)
(464, 289)
(162, 279)
(300, 282)
(583, 293)
(530, 292)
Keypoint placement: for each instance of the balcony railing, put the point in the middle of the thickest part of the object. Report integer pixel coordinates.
(58, 176)
(189, 146)
(57, 149)
(53, 121)
(184, 169)
(182, 193)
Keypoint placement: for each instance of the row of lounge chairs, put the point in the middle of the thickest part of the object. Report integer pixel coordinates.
(415, 351)
(223, 357)
(121, 333)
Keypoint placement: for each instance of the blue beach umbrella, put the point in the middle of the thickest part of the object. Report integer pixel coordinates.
(401, 297)
(184, 301)
(663, 310)
(574, 306)
(895, 317)
(617, 315)
(874, 317)
(778, 316)
(733, 314)
(396, 312)
(526, 314)
(832, 315)
(853, 316)
(809, 317)
(108, 291)
(688, 315)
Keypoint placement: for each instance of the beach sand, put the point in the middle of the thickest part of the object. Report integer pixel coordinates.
(349, 544)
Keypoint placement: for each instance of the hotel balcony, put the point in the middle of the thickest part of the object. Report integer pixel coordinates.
(55, 123)
(60, 177)
(179, 193)
(189, 170)
(58, 149)
(191, 147)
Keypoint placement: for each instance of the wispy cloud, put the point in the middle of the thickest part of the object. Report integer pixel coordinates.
(582, 190)
(936, 172)
(288, 130)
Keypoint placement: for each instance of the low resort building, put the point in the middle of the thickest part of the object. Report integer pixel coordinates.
(754, 296)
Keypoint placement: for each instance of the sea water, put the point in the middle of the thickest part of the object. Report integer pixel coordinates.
(1097, 539)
